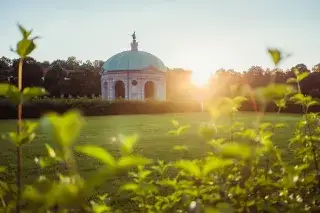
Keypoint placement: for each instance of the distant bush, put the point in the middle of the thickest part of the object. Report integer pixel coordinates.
(96, 107)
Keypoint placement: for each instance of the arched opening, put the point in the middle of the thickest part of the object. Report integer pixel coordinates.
(149, 90)
(105, 90)
(119, 90)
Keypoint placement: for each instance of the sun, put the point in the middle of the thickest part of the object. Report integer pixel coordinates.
(200, 78)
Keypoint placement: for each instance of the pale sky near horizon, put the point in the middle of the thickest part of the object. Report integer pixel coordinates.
(201, 35)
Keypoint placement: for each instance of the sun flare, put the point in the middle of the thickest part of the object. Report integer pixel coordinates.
(199, 78)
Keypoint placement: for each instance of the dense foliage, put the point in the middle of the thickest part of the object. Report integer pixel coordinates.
(244, 171)
(96, 107)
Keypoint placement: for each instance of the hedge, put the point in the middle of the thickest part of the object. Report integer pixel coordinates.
(97, 107)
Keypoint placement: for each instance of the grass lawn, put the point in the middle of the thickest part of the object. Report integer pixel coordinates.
(154, 142)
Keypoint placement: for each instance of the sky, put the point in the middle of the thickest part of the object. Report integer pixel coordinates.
(200, 35)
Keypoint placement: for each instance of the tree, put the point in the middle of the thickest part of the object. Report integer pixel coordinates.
(87, 65)
(72, 63)
(59, 64)
(32, 73)
(311, 83)
(316, 68)
(5, 63)
(54, 80)
(97, 64)
(300, 68)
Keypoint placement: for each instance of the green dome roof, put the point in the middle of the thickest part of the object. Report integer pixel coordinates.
(133, 60)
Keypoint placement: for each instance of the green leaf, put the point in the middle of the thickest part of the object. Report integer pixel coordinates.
(26, 135)
(273, 92)
(207, 131)
(25, 47)
(188, 166)
(175, 123)
(281, 103)
(2, 169)
(100, 208)
(275, 55)
(63, 128)
(292, 80)
(213, 163)
(131, 161)
(216, 143)
(312, 103)
(236, 150)
(11, 92)
(280, 125)
(44, 162)
(127, 143)
(4, 89)
(129, 187)
(302, 76)
(24, 32)
(97, 153)
(180, 148)
(50, 150)
(31, 92)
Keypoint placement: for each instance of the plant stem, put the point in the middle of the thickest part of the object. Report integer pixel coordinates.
(19, 127)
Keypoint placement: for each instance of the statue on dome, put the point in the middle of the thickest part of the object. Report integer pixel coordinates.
(134, 35)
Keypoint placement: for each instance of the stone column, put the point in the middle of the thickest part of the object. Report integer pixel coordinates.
(126, 89)
(142, 89)
(110, 89)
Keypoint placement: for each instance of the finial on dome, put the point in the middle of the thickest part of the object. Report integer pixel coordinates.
(134, 43)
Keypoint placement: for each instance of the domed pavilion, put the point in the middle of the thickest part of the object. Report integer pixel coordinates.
(133, 75)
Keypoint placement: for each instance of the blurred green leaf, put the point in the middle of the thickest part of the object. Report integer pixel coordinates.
(188, 166)
(281, 103)
(97, 153)
(175, 123)
(179, 130)
(312, 103)
(131, 161)
(2, 169)
(236, 150)
(26, 45)
(100, 208)
(273, 92)
(26, 135)
(31, 92)
(213, 163)
(11, 92)
(50, 150)
(63, 128)
(292, 80)
(275, 55)
(127, 143)
(24, 32)
(207, 131)
(302, 76)
(129, 187)
(4, 89)
(180, 148)
(280, 125)
(216, 143)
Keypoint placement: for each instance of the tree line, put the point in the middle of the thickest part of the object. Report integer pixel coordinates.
(72, 77)
(256, 76)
